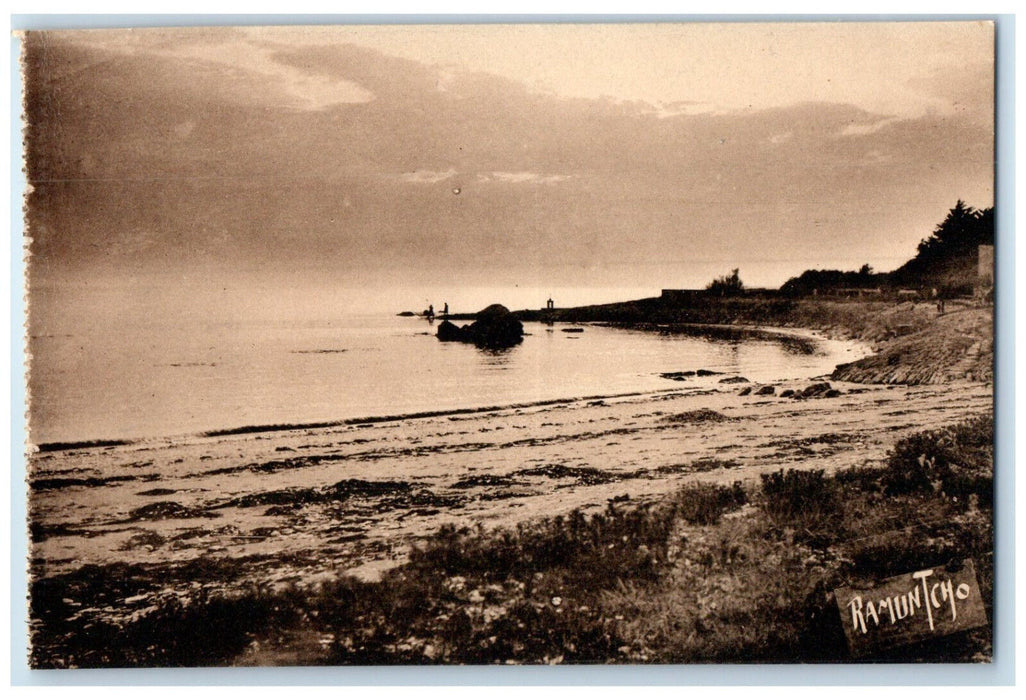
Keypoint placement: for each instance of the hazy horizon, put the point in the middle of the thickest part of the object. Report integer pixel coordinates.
(519, 156)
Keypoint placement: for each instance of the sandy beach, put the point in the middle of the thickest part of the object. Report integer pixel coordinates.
(300, 506)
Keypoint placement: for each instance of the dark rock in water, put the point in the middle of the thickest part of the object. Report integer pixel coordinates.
(406, 313)
(495, 327)
(734, 380)
(572, 330)
(817, 389)
(768, 390)
(831, 394)
(745, 392)
(448, 331)
(787, 393)
(492, 311)
(706, 373)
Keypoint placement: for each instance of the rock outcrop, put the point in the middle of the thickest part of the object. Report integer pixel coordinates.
(448, 332)
(494, 327)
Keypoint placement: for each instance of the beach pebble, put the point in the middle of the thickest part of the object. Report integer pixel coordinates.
(817, 389)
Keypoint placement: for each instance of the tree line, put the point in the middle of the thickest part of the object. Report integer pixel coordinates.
(946, 259)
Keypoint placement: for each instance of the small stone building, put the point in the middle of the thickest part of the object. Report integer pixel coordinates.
(985, 265)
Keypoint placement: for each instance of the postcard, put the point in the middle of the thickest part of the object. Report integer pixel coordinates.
(580, 343)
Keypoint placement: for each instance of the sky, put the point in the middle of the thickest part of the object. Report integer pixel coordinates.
(538, 156)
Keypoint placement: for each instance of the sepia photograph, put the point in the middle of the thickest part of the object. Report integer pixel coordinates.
(510, 344)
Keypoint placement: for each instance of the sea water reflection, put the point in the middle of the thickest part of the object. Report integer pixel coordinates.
(156, 377)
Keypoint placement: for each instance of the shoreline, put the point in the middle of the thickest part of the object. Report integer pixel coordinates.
(163, 502)
(316, 425)
(770, 333)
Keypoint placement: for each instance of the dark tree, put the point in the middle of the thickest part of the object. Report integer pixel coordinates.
(727, 286)
(950, 251)
(828, 280)
(946, 260)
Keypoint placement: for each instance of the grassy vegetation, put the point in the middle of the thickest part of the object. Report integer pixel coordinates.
(955, 460)
(804, 500)
(740, 573)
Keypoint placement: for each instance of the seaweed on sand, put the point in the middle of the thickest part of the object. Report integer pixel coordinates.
(339, 491)
(699, 415)
(586, 476)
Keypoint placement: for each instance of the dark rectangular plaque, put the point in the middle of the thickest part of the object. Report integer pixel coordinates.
(910, 608)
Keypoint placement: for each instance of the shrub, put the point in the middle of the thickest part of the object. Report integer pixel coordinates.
(703, 504)
(864, 478)
(210, 630)
(605, 545)
(958, 460)
(803, 499)
(728, 285)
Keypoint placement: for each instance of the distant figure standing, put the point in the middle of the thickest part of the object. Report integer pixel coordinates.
(431, 311)
(445, 309)
(550, 305)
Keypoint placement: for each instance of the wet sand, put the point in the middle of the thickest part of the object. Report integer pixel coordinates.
(299, 506)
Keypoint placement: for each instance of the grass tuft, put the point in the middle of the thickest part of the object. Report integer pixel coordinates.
(805, 500)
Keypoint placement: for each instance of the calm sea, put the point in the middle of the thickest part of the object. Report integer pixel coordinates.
(161, 377)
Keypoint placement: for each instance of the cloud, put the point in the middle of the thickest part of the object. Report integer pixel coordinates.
(446, 77)
(307, 90)
(522, 177)
(427, 176)
(867, 129)
(253, 64)
(183, 129)
(876, 157)
(682, 109)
